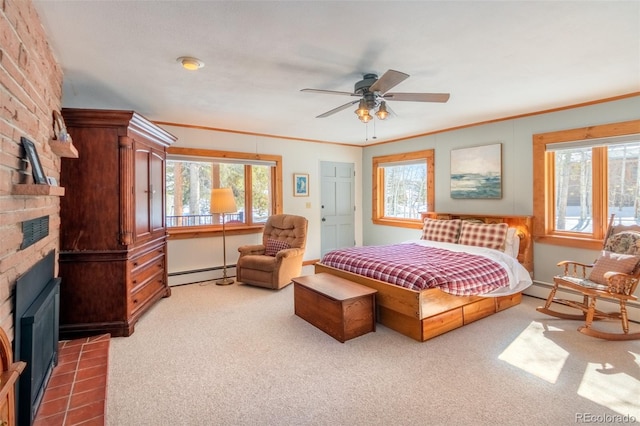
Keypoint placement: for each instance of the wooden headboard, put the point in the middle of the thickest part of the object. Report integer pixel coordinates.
(523, 225)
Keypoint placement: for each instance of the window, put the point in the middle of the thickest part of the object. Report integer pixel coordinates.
(582, 177)
(403, 188)
(256, 181)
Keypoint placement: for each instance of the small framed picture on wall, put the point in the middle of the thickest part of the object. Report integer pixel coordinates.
(32, 155)
(300, 184)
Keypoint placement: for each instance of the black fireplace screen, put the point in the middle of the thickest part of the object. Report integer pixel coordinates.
(37, 313)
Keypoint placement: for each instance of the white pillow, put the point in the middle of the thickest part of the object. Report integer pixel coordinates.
(512, 243)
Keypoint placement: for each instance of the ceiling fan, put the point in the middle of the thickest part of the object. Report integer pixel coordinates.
(374, 94)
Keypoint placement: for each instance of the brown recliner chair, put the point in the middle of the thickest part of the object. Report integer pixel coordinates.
(278, 259)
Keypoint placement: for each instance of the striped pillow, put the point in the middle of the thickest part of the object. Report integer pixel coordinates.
(489, 235)
(612, 262)
(445, 231)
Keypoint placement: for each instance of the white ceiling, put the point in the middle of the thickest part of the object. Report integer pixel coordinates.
(496, 58)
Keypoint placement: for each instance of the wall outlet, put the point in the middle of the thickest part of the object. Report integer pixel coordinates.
(308, 205)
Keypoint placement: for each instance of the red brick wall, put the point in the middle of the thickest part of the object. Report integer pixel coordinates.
(30, 90)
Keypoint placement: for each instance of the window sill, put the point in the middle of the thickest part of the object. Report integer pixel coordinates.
(413, 224)
(583, 243)
(208, 232)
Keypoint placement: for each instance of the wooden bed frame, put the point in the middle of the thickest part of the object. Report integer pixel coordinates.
(425, 314)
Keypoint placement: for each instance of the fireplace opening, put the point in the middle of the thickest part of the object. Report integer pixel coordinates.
(36, 323)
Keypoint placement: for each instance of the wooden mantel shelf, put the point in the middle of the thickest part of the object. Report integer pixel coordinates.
(33, 189)
(63, 149)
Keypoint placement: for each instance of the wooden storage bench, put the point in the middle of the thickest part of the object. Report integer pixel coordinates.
(339, 307)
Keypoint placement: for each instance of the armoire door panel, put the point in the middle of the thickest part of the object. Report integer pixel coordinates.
(156, 191)
(142, 194)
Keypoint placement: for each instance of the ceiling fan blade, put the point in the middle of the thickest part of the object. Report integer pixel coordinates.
(328, 92)
(417, 97)
(338, 109)
(389, 80)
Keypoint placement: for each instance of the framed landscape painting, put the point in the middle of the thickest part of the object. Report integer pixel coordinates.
(476, 172)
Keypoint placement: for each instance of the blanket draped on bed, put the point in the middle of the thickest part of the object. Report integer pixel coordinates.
(418, 267)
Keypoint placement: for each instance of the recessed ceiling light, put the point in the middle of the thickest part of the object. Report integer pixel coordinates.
(190, 63)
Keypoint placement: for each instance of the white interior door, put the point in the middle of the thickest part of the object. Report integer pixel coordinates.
(338, 206)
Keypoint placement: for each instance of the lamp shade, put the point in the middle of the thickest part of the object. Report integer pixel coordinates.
(222, 201)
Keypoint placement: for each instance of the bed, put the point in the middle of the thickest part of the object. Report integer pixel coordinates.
(427, 313)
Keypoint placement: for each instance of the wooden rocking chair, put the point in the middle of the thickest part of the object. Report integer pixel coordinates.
(614, 276)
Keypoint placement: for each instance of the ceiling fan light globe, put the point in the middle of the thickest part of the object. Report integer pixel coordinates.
(366, 118)
(362, 109)
(382, 112)
(362, 112)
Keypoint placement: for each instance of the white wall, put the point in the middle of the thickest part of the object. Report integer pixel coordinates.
(516, 172)
(516, 138)
(297, 157)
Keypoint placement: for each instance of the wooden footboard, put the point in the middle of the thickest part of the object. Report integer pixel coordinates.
(424, 314)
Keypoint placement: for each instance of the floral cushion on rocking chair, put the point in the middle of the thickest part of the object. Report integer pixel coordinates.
(624, 242)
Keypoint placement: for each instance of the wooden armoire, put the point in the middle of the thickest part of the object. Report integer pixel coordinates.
(112, 233)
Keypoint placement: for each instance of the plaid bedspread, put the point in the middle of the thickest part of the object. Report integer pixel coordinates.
(418, 267)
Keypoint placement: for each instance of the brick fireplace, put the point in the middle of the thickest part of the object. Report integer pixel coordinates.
(31, 89)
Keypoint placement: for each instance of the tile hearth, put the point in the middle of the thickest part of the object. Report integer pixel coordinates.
(77, 390)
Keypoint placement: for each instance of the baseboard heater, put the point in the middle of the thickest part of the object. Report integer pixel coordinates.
(197, 271)
(199, 275)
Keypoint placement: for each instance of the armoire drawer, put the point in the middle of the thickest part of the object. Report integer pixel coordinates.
(146, 290)
(140, 261)
(141, 274)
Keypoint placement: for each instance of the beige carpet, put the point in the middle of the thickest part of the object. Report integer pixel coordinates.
(237, 355)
